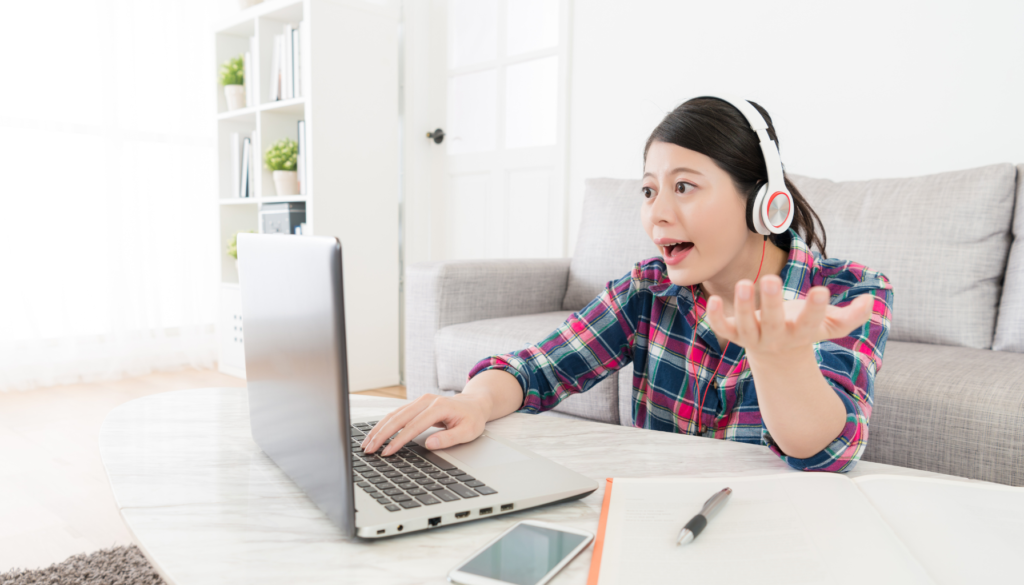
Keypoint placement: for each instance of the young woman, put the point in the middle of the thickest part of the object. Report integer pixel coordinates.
(732, 334)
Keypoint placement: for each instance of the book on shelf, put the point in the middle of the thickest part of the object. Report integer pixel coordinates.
(285, 72)
(236, 161)
(244, 181)
(301, 162)
(242, 168)
(246, 76)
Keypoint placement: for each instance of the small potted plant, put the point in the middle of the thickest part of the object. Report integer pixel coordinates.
(232, 77)
(281, 158)
(233, 251)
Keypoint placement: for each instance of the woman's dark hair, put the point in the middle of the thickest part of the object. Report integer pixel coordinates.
(715, 128)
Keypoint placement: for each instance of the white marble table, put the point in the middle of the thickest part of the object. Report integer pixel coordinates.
(207, 506)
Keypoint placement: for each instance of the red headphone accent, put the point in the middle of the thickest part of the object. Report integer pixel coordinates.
(703, 395)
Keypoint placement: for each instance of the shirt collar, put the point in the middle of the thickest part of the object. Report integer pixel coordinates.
(796, 275)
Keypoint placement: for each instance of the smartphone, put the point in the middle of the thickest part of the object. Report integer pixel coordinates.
(529, 553)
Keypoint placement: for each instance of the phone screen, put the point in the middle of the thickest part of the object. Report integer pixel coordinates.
(524, 555)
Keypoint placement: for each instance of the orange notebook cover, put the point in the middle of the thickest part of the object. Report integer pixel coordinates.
(595, 560)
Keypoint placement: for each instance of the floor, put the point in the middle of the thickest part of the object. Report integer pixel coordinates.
(55, 501)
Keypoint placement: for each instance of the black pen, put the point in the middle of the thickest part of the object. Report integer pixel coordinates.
(698, 522)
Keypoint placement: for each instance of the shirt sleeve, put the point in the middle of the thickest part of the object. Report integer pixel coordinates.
(849, 365)
(591, 344)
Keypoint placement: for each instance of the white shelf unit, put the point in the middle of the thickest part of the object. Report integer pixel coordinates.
(349, 101)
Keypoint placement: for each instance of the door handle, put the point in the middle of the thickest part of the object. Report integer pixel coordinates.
(437, 135)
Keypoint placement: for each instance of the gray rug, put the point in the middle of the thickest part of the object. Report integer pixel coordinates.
(118, 565)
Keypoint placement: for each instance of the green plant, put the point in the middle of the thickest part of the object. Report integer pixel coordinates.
(282, 155)
(233, 244)
(232, 71)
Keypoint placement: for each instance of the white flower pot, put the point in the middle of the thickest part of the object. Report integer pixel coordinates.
(235, 95)
(286, 182)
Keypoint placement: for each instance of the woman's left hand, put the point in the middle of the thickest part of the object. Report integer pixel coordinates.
(784, 327)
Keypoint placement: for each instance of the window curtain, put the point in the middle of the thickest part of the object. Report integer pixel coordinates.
(108, 250)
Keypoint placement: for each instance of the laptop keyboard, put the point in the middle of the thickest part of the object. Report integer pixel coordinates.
(411, 477)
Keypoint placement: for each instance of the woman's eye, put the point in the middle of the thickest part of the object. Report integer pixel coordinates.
(681, 186)
(647, 192)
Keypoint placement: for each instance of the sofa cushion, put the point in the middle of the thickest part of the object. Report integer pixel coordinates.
(460, 347)
(1010, 323)
(611, 239)
(942, 240)
(950, 410)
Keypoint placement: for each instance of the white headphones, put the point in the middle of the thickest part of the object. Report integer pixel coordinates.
(771, 214)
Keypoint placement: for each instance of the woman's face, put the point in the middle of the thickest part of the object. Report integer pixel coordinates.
(688, 198)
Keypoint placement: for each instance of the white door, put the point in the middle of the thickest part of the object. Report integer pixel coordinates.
(493, 75)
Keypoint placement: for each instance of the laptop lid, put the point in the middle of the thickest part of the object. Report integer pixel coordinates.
(293, 319)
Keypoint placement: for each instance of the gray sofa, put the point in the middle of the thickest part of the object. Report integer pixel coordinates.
(950, 394)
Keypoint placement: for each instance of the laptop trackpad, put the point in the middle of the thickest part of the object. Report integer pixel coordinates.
(484, 452)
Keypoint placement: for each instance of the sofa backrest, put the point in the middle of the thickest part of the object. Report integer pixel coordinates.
(942, 240)
(1010, 322)
(610, 241)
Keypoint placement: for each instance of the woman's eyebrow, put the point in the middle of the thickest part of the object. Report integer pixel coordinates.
(677, 170)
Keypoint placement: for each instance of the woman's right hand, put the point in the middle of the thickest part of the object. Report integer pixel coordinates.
(463, 416)
(489, 395)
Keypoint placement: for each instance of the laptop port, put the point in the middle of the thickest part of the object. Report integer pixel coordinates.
(434, 521)
(462, 514)
(486, 511)
(399, 527)
(506, 507)
(381, 531)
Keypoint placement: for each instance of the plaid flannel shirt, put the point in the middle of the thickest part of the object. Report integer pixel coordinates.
(645, 319)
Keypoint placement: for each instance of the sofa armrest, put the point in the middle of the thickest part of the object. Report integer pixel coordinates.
(439, 294)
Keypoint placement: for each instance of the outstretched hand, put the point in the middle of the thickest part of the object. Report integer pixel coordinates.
(781, 327)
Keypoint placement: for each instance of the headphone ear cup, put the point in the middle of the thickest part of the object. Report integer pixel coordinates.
(754, 221)
(776, 210)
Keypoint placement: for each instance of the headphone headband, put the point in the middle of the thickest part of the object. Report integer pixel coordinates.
(773, 166)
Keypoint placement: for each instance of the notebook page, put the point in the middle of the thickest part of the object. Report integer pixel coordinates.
(794, 528)
(962, 532)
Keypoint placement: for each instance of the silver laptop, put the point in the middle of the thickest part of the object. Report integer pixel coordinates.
(293, 315)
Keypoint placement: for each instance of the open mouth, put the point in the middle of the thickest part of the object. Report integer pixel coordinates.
(673, 250)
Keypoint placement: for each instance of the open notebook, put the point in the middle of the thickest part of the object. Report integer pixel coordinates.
(811, 528)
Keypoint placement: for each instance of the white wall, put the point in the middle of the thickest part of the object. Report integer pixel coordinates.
(855, 90)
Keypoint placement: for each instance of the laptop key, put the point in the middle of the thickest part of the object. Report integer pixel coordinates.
(432, 457)
(462, 490)
(370, 489)
(383, 501)
(433, 487)
(378, 496)
(428, 499)
(416, 491)
(369, 474)
(393, 474)
(415, 475)
(486, 490)
(446, 495)
(425, 480)
(464, 478)
(393, 492)
(363, 484)
(438, 475)
(475, 483)
(454, 471)
(447, 481)
(407, 485)
(400, 498)
(410, 504)
(392, 508)
(377, 479)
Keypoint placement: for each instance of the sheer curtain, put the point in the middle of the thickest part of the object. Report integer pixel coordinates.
(108, 250)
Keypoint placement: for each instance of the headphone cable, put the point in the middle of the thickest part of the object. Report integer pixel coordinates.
(703, 395)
